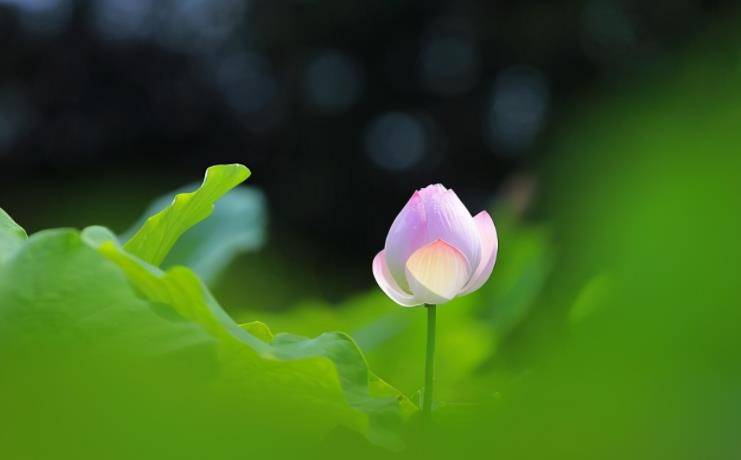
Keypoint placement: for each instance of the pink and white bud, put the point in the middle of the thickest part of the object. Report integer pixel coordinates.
(435, 251)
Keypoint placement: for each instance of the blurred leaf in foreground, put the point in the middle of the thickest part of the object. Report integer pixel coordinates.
(637, 353)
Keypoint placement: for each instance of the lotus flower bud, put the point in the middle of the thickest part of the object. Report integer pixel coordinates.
(435, 251)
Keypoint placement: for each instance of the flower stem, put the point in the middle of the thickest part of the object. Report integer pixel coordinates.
(429, 361)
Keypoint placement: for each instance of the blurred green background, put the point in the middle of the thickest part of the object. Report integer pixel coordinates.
(604, 137)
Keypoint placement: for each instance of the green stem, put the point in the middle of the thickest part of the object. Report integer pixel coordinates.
(429, 361)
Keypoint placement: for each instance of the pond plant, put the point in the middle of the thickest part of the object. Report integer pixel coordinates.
(435, 251)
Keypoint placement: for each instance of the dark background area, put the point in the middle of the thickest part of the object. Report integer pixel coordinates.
(340, 108)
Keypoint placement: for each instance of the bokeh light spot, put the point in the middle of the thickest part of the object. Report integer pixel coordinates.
(517, 110)
(450, 65)
(334, 81)
(123, 19)
(187, 26)
(396, 141)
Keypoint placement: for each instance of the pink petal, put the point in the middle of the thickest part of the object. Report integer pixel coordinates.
(489, 247)
(407, 234)
(388, 284)
(448, 219)
(437, 272)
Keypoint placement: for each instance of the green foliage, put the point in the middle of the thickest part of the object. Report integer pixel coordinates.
(635, 354)
(159, 233)
(57, 291)
(236, 225)
(329, 368)
(471, 327)
(82, 298)
(623, 343)
(11, 235)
